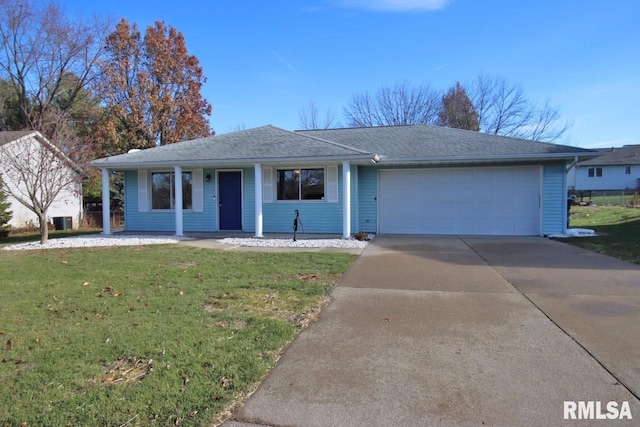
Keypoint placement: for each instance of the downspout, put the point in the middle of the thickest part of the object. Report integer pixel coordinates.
(572, 165)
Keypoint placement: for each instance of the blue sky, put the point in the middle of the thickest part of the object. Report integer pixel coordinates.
(266, 60)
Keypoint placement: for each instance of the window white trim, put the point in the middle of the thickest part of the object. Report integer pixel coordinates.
(149, 187)
(274, 181)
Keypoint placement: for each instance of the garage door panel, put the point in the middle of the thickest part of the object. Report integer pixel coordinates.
(500, 200)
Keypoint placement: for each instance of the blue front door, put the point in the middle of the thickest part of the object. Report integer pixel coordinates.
(230, 200)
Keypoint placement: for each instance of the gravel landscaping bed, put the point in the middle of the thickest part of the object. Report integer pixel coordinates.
(300, 243)
(92, 240)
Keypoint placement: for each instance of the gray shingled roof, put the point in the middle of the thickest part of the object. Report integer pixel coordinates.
(627, 155)
(431, 142)
(267, 143)
(391, 144)
(7, 136)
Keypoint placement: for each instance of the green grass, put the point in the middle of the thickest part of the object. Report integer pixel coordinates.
(147, 335)
(618, 229)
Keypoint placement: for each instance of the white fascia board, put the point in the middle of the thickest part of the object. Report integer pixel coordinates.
(104, 163)
(482, 159)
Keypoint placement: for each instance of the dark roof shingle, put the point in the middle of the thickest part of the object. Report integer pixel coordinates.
(394, 143)
(263, 143)
(626, 155)
(424, 141)
(7, 136)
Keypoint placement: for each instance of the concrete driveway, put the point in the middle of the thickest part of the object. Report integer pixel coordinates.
(463, 331)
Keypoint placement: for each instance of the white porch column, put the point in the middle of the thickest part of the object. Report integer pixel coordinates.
(106, 203)
(346, 200)
(258, 192)
(177, 178)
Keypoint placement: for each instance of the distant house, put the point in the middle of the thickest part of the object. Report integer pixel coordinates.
(34, 149)
(392, 180)
(616, 169)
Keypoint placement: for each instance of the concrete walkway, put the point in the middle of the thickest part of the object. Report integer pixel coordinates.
(462, 331)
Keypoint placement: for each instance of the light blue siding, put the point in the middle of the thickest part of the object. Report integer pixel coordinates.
(165, 220)
(248, 200)
(613, 177)
(367, 199)
(554, 199)
(319, 216)
(316, 216)
(355, 206)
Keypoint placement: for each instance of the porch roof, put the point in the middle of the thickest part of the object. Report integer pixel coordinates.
(266, 144)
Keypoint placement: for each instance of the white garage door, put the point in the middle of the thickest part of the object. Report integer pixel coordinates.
(480, 201)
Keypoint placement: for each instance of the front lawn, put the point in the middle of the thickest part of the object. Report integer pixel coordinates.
(149, 335)
(618, 229)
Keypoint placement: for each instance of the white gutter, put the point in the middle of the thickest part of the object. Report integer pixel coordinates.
(105, 163)
(480, 159)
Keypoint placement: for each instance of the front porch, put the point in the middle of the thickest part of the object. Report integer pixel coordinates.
(259, 207)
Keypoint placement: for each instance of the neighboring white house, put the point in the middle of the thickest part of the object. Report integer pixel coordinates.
(33, 148)
(615, 169)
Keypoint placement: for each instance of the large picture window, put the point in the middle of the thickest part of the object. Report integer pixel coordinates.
(163, 190)
(300, 184)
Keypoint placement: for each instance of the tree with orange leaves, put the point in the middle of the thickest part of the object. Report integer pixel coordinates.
(151, 88)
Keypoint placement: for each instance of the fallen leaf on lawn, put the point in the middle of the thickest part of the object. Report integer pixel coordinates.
(180, 293)
(386, 319)
(9, 345)
(2, 332)
(225, 382)
(193, 413)
(65, 262)
(85, 283)
(117, 294)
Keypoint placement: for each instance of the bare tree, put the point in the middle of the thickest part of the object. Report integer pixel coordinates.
(503, 109)
(457, 110)
(42, 53)
(402, 104)
(309, 118)
(36, 173)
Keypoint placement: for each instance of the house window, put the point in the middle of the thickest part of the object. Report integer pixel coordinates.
(627, 170)
(163, 189)
(594, 172)
(300, 184)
